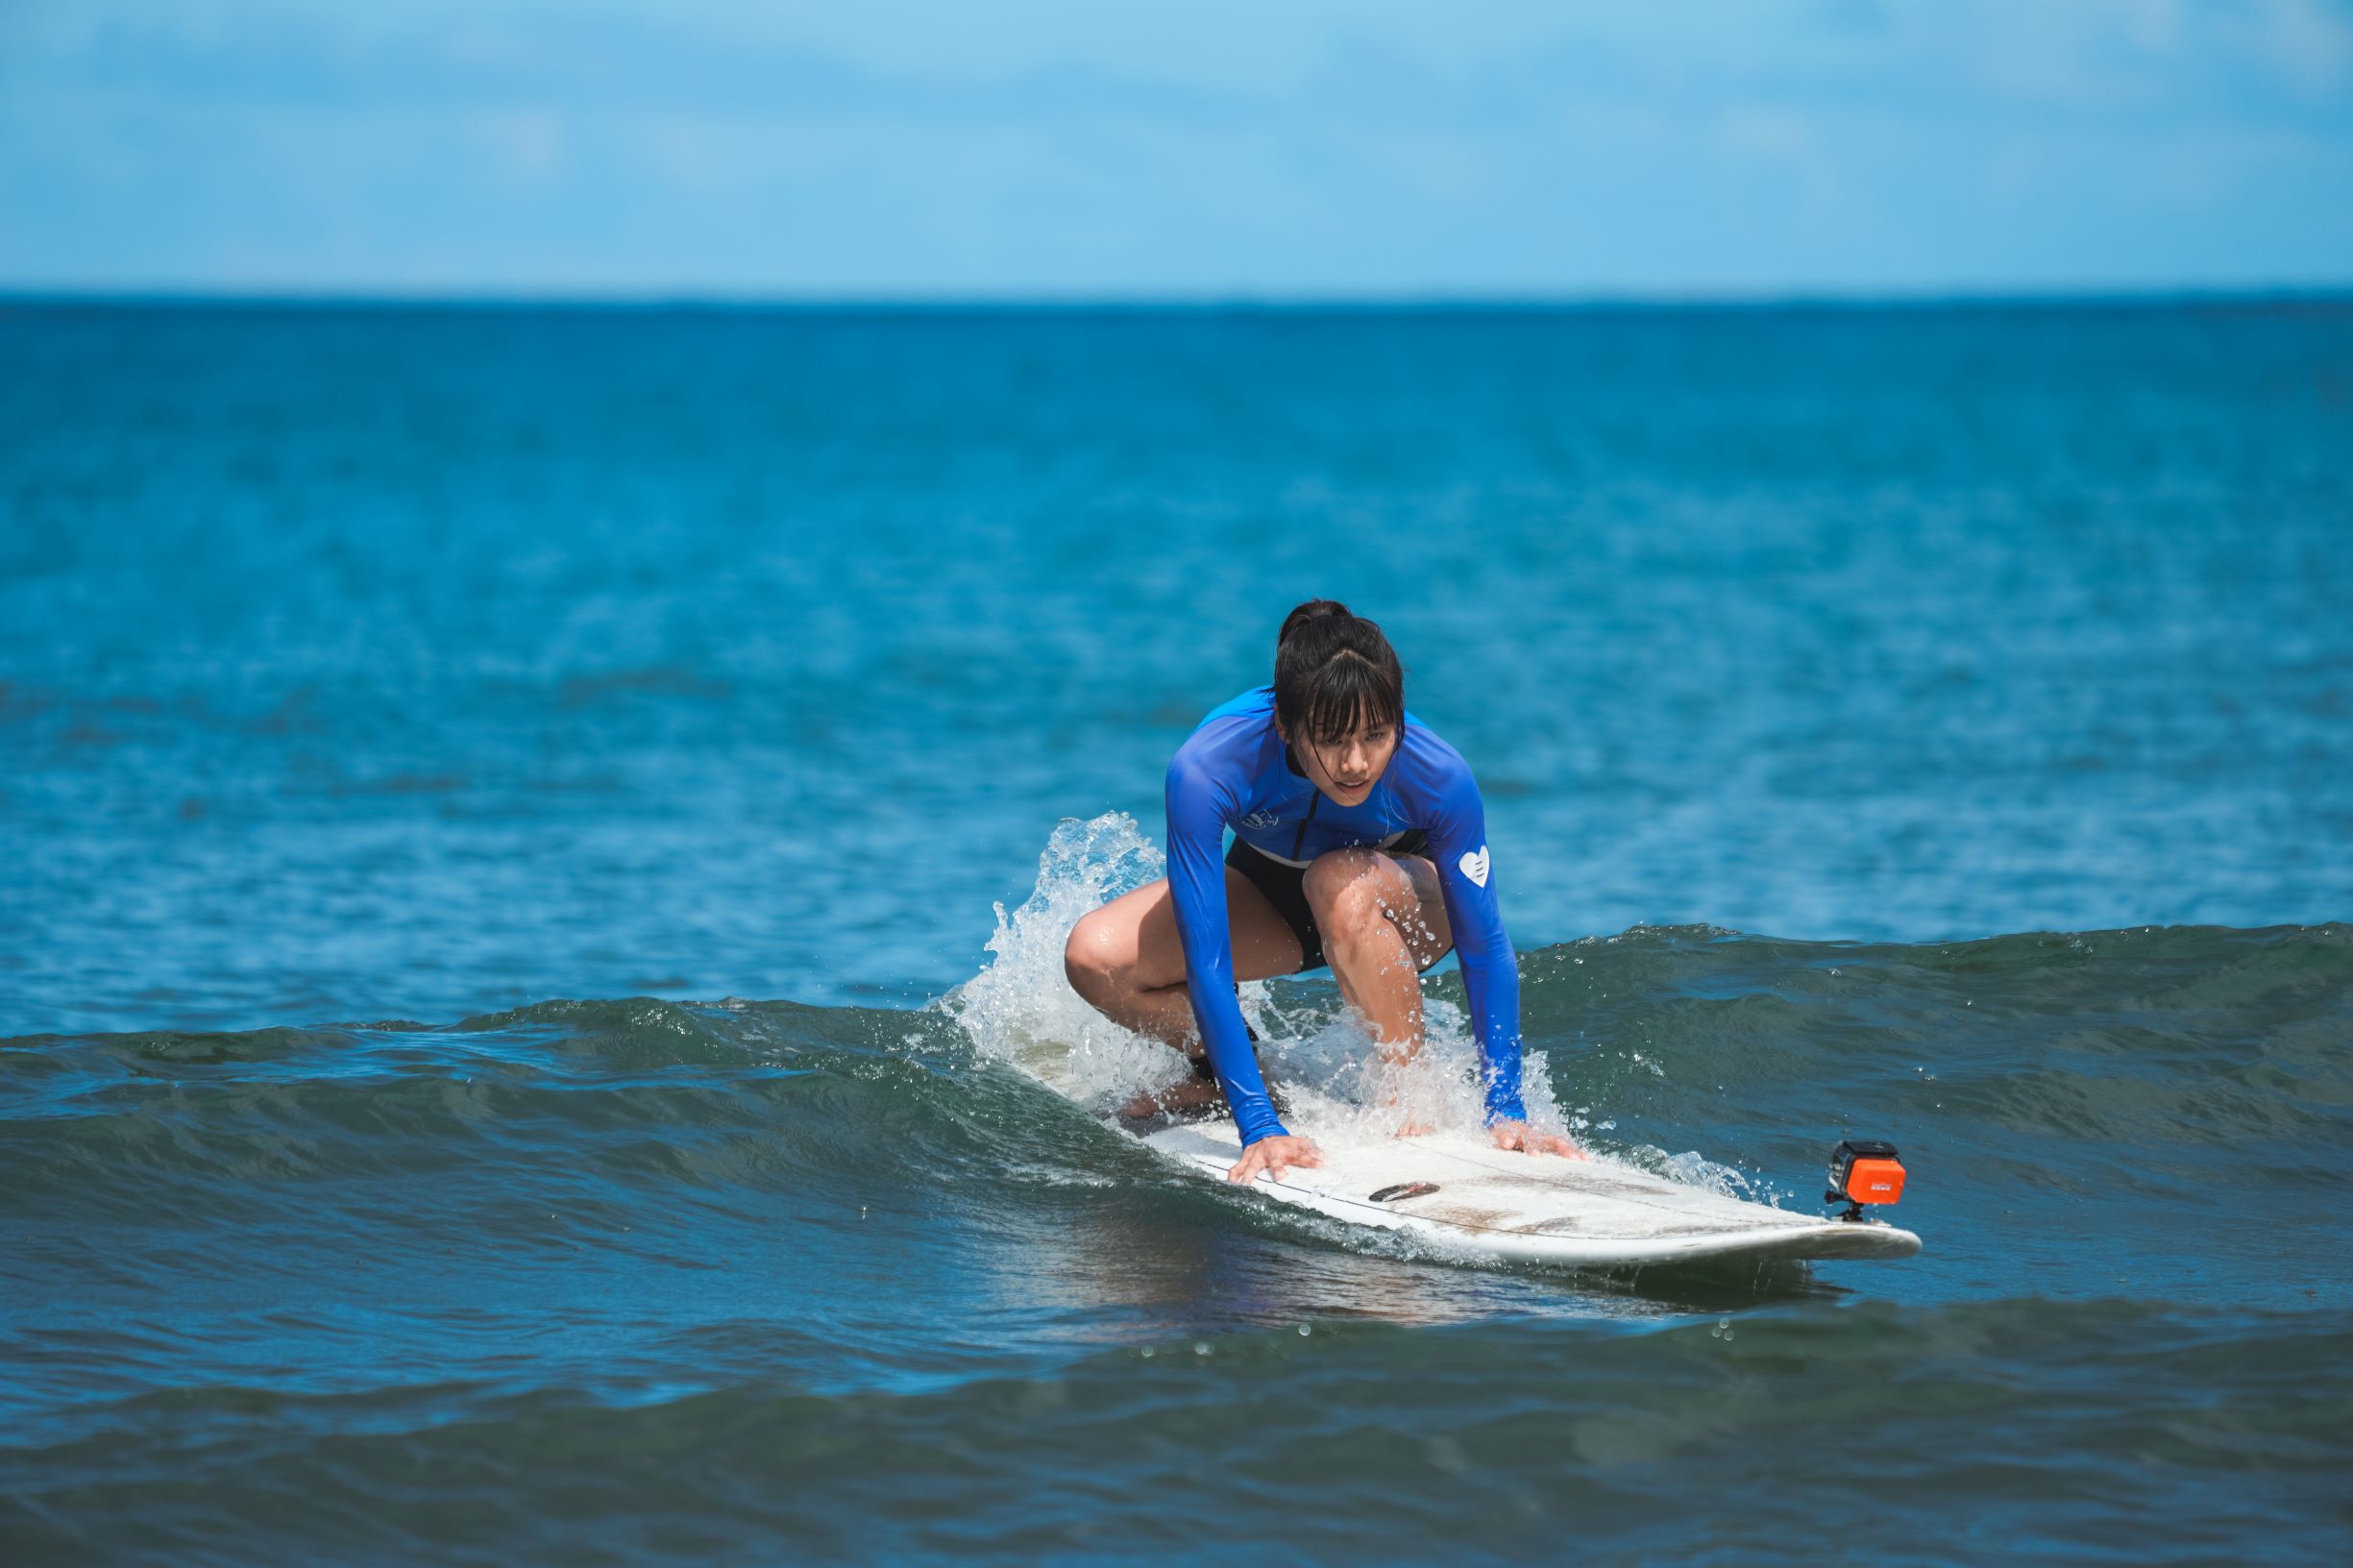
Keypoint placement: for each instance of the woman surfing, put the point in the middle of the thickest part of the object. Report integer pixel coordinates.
(1360, 841)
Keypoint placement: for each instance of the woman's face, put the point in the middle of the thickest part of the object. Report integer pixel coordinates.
(1348, 767)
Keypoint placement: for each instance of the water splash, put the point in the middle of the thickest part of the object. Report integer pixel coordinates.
(1020, 1010)
(1693, 1169)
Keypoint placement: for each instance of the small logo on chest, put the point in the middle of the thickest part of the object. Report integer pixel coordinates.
(1260, 818)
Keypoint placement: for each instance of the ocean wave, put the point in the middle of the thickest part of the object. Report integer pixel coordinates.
(2121, 1429)
(2094, 1091)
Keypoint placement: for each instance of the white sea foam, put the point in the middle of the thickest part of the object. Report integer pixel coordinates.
(1693, 1169)
(1020, 1009)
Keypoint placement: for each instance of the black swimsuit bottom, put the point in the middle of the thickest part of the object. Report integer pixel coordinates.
(1285, 888)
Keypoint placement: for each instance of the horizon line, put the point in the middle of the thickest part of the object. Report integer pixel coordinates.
(1206, 303)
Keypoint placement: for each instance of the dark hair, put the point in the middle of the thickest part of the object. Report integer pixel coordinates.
(1333, 671)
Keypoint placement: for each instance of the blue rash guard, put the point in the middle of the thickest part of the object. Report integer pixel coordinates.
(1237, 772)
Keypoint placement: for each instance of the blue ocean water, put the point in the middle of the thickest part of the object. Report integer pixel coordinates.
(536, 840)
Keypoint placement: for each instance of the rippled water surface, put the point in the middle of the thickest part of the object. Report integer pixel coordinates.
(530, 1024)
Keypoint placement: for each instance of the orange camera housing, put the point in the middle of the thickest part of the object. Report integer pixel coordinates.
(1864, 1170)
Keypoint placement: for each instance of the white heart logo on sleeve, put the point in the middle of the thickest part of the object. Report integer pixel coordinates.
(1474, 864)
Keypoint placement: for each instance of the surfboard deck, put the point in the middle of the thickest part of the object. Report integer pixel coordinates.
(1471, 1197)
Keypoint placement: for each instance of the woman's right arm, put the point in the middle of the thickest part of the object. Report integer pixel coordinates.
(1199, 802)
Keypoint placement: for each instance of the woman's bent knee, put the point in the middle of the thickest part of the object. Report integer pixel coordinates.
(1090, 958)
(1331, 872)
(1349, 890)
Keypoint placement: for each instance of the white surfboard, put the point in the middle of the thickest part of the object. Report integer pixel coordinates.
(1470, 1196)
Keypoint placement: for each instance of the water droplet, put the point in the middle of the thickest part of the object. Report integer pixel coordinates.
(1201, 1347)
(1305, 1331)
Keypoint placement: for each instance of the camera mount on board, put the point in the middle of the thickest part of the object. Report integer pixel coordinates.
(1864, 1170)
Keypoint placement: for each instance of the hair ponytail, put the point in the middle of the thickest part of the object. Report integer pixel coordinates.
(1334, 672)
(1314, 609)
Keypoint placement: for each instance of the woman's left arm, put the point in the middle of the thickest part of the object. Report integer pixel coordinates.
(1457, 829)
(1490, 969)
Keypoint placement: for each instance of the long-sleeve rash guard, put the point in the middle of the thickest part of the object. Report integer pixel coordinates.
(1236, 773)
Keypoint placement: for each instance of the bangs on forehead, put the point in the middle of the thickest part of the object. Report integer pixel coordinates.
(1347, 694)
(1335, 673)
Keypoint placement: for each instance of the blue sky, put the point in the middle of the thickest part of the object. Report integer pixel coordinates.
(1210, 149)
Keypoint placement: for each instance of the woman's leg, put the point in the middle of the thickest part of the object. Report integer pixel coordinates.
(1125, 958)
(1383, 921)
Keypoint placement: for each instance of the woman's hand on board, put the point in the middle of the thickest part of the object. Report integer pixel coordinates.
(1518, 1135)
(1275, 1155)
